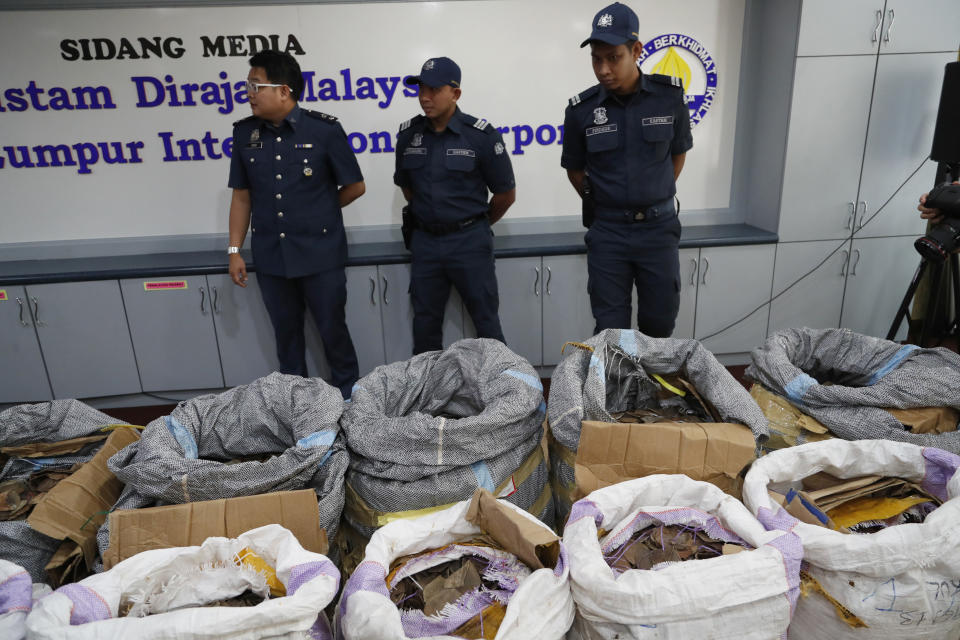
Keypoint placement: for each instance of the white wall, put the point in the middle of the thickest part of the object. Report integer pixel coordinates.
(520, 62)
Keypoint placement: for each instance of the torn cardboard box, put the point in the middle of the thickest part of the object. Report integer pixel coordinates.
(714, 452)
(76, 507)
(187, 525)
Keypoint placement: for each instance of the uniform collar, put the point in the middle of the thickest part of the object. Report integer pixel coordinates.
(642, 85)
(293, 118)
(455, 124)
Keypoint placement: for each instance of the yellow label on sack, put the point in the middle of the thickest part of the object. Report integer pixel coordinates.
(669, 387)
(3, 295)
(164, 285)
(249, 558)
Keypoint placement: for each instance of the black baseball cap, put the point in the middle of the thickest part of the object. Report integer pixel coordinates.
(437, 72)
(614, 24)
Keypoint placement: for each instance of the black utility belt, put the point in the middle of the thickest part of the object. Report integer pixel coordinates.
(446, 228)
(649, 213)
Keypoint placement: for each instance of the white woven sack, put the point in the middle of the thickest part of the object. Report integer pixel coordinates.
(747, 595)
(541, 607)
(903, 581)
(88, 609)
(15, 600)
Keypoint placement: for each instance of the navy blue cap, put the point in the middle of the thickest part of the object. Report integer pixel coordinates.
(437, 72)
(614, 24)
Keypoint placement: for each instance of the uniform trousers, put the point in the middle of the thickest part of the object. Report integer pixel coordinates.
(325, 294)
(463, 259)
(644, 255)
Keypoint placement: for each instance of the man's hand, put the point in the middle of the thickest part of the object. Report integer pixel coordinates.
(933, 215)
(238, 270)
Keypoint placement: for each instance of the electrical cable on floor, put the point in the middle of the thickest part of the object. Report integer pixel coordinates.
(822, 262)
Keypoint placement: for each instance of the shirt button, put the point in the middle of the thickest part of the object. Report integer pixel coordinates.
(282, 236)
(279, 138)
(304, 161)
(324, 229)
(279, 176)
(251, 159)
(279, 196)
(278, 157)
(280, 214)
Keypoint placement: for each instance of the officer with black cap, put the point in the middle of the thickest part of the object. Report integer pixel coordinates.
(624, 144)
(446, 161)
(292, 171)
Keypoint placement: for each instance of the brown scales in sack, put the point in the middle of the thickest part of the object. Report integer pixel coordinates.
(18, 497)
(677, 400)
(656, 544)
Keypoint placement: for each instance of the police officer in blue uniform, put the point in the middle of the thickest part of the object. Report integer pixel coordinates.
(624, 144)
(445, 164)
(292, 171)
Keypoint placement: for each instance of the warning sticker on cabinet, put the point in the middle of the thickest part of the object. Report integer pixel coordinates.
(164, 285)
(3, 295)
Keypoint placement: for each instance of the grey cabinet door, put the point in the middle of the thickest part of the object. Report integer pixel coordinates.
(816, 300)
(85, 338)
(23, 377)
(522, 282)
(363, 317)
(171, 324)
(850, 27)
(244, 332)
(396, 312)
(566, 305)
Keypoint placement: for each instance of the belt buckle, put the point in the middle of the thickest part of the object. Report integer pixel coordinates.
(639, 216)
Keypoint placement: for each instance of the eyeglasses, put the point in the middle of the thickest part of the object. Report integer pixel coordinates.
(254, 87)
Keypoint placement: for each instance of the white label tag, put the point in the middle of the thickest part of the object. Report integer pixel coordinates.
(508, 490)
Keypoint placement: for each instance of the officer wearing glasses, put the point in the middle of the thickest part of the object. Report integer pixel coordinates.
(624, 144)
(292, 172)
(446, 164)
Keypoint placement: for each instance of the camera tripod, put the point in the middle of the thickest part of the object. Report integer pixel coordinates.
(933, 300)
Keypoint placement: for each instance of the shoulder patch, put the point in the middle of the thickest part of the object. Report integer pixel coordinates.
(409, 123)
(481, 123)
(242, 120)
(319, 115)
(583, 95)
(667, 80)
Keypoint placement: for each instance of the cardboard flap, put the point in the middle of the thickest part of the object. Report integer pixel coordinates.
(78, 505)
(187, 525)
(714, 452)
(49, 449)
(535, 545)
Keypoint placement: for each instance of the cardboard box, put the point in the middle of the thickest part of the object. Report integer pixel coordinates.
(187, 525)
(714, 452)
(74, 509)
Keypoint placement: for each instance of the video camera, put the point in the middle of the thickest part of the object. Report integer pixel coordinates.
(943, 238)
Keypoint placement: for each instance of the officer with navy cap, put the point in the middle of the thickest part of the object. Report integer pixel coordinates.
(624, 144)
(446, 163)
(292, 171)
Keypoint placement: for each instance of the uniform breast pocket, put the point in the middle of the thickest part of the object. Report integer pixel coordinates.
(309, 161)
(658, 137)
(602, 138)
(413, 158)
(460, 159)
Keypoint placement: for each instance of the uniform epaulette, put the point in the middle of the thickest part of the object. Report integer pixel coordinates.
(583, 95)
(409, 123)
(319, 115)
(672, 81)
(482, 124)
(242, 120)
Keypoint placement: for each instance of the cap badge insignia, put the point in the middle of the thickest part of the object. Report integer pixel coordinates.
(498, 148)
(428, 65)
(255, 135)
(606, 20)
(600, 115)
(417, 140)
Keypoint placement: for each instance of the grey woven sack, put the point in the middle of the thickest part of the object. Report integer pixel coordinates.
(613, 374)
(866, 375)
(428, 431)
(42, 422)
(289, 421)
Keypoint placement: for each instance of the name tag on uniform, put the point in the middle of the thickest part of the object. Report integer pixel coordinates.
(658, 120)
(415, 151)
(607, 128)
(469, 153)
(253, 145)
(304, 145)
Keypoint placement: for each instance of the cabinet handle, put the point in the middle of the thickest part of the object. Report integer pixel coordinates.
(22, 321)
(693, 271)
(851, 215)
(36, 312)
(216, 300)
(373, 288)
(853, 269)
(863, 216)
(843, 266)
(706, 267)
(886, 36)
(203, 300)
(876, 30)
(549, 278)
(385, 285)
(536, 281)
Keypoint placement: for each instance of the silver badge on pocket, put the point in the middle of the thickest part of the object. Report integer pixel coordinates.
(307, 171)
